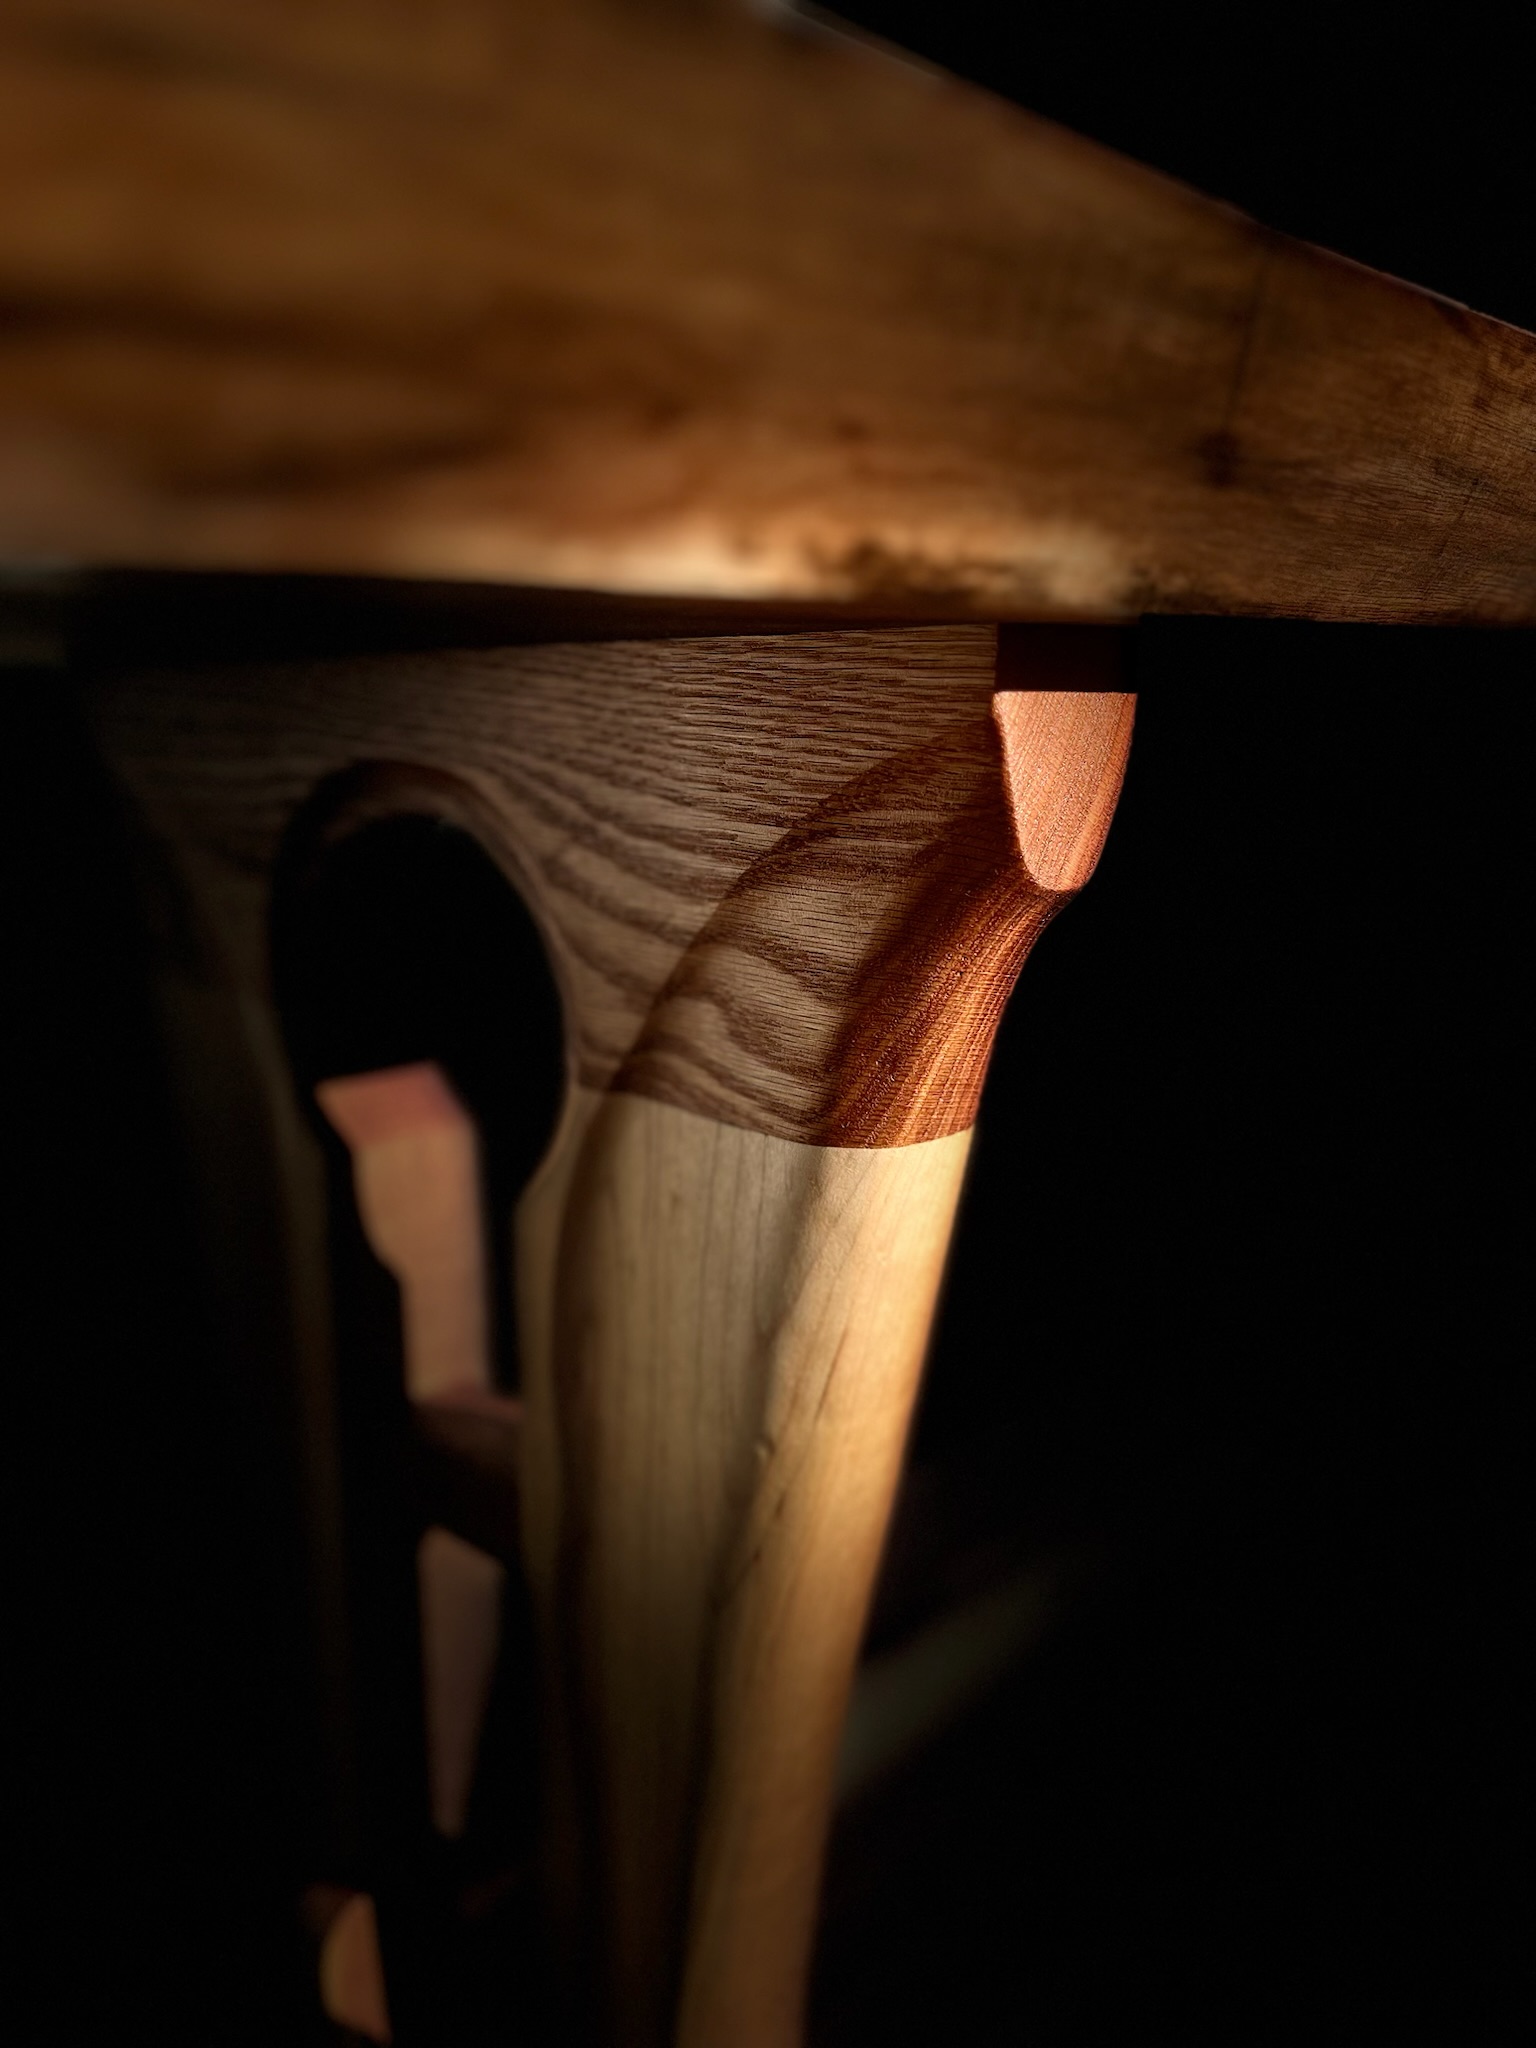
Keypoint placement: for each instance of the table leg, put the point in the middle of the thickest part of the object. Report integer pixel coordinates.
(723, 1331)
(786, 883)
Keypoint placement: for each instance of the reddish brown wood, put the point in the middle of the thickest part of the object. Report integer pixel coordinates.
(785, 882)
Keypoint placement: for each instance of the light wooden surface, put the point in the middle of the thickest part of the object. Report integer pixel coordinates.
(691, 300)
(723, 1327)
(351, 1975)
(786, 883)
(416, 1169)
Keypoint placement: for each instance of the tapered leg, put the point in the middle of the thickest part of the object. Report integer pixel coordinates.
(736, 1323)
(785, 884)
(728, 1269)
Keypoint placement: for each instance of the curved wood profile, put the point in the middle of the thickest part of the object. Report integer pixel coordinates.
(727, 1269)
(847, 988)
(751, 856)
(786, 884)
(416, 1173)
(689, 300)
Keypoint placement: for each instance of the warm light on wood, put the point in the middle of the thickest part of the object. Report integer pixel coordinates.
(694, 300)
(744, 1318)
(351, 1974)
(866, 410)
(786, 883)
(416, 1169)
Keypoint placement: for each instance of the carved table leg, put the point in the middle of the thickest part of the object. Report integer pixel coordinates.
(727, 1269)
(786, 884)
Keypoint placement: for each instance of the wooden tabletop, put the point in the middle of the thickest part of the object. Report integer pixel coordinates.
(690, 302)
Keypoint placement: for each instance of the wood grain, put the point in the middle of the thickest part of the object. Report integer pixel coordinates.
(694, 301)
(723, 1333)
(416, 1170)
(351, 1975)
(782, 879)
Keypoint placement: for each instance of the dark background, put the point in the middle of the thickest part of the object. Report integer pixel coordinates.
(1226, 1321)
(1231, 1305)
(1225, 1317)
